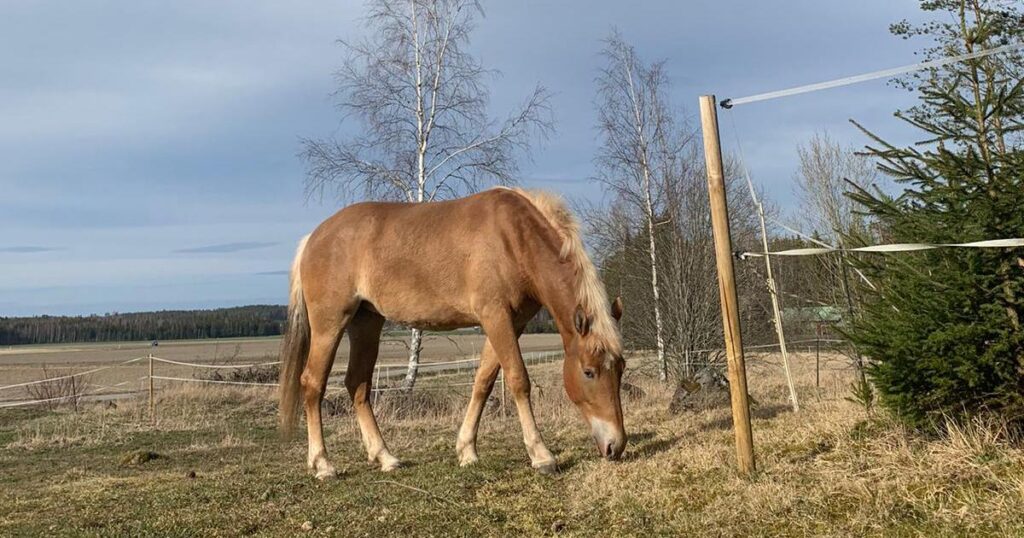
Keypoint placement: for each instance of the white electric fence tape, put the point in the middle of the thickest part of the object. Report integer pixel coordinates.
(885, 73)
(215, 366)
(895, 247)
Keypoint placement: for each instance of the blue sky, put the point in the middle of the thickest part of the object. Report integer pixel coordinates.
(147, 149)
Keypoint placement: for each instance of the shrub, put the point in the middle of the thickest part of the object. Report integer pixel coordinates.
(943, 328)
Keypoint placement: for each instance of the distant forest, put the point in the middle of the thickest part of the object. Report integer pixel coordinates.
(255, 320)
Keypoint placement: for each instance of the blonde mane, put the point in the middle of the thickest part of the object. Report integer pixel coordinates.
(590, 292)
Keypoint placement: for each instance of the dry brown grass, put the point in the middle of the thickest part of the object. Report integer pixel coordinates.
(828, 470)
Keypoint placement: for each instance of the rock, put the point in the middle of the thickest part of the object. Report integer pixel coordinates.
(708, 389)
(307, 526)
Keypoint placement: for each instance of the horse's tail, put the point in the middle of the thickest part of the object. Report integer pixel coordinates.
(295, 348)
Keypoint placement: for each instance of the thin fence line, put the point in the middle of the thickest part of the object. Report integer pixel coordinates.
(79, 374)
(97, 391)
(534, 356)
(885, 73)
(136, 380)
(335, 387)
(422, 364)
(750, 185)
(448, 375)
(422, 387)
(214, 366)
(538, 355)
(33, 402)
(218, 382)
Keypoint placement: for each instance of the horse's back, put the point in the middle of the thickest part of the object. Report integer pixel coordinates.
(387, 226)
(432, 261)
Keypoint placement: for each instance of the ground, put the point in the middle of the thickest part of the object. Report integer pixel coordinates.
(213, 465)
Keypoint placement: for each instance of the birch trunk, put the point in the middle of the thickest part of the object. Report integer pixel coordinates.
(649, 213)
(662, 362)
(416, 339)
(422, 132)
(415, 344)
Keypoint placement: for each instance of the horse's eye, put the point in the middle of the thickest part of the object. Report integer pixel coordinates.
(589, 373)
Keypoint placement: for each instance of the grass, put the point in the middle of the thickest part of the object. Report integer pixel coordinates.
(213, 466)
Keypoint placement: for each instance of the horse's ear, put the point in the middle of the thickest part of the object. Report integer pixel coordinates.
(582, 321)
(617, 308)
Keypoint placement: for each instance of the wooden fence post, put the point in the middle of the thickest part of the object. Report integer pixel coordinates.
(502, 373)
(152, 397)
(727, 285)
(817, 359)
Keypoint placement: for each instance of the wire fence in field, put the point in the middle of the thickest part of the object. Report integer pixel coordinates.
(388, 377)
(432, 376)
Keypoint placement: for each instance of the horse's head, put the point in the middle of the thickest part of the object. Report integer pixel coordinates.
(592, 375)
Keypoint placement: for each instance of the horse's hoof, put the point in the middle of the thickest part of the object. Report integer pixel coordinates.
(467, 456)
(390, 465)
(326, 473)
(547, 468)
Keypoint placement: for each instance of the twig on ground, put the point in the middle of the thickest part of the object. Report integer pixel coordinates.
(401, 485)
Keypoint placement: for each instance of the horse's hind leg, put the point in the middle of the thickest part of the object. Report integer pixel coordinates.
(364, 338)
(325, 333)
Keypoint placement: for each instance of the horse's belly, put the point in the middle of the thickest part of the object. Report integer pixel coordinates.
(426, 316)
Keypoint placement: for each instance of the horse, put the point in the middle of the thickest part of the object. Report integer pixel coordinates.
(491, 259)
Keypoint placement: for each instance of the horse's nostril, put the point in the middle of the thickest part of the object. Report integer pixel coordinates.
(609, 452)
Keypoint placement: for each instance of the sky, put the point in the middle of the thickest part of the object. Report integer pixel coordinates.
(148, 149)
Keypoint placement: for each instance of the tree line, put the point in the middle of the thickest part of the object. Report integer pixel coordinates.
(255, 320)
(235, 322)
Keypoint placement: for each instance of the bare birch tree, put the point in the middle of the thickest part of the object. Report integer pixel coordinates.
(690, 313)
(827, 172)
(422, 100)
(636, 127)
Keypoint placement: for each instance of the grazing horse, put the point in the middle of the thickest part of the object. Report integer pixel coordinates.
(492, 259)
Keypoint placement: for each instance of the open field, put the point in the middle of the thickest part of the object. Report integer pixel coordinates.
(828, 470)
(24, 363)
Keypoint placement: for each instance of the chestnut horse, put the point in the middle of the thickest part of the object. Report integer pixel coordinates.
(492, 259)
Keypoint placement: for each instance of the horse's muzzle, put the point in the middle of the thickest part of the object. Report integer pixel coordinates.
(611, 441)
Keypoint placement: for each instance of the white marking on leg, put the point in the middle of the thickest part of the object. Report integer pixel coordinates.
(388, 462)
(540, 456)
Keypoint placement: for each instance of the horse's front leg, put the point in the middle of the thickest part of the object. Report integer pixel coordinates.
(502, 336)
(486, 373)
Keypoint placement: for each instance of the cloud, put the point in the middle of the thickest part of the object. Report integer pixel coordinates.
(28, 249)
(128, 152)
(224, 247)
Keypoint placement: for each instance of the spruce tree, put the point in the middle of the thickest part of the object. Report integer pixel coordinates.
(943, 328)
